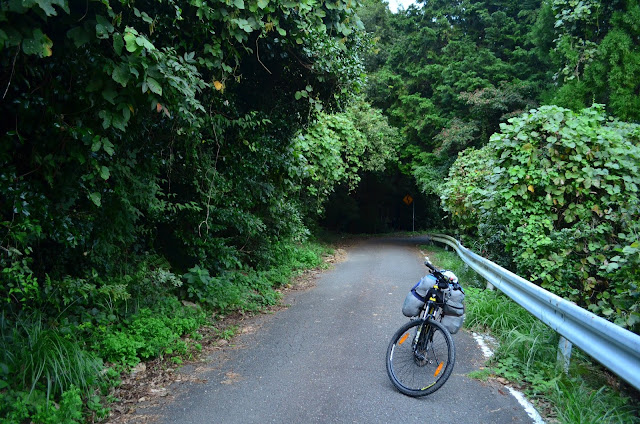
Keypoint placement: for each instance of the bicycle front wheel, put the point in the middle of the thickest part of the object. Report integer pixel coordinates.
(420, 357)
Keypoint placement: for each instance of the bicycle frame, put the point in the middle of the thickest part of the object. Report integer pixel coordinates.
(430, 311)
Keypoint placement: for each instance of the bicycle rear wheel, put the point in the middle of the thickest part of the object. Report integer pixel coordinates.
(420, 357)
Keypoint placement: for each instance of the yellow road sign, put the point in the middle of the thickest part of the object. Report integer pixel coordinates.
(407, 199)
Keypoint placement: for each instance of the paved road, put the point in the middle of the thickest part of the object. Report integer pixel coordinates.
(322, 360)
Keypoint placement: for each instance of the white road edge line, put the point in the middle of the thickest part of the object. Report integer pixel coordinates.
(528, 407)
(482, 340)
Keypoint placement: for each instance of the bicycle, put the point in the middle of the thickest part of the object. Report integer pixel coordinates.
(421, 354)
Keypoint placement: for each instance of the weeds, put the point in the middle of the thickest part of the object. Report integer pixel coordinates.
(36, 357)
(577, 402)
(40, 364)
(51, 362)
(527, 355)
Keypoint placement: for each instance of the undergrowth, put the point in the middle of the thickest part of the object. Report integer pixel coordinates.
(60, 365)
(527, 356)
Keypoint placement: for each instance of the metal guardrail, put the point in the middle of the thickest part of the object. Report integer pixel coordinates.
(611, 345)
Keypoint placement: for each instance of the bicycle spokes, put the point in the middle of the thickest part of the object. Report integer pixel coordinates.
(421, 367)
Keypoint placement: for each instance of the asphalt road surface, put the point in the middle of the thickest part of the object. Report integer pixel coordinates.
(322, 360)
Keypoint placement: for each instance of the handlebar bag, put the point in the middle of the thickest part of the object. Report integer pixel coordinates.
(425, 284)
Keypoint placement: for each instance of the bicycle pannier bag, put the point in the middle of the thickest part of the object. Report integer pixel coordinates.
(454, 310)
(454, 304)
(412, 305)
(453, 324)
(416, 298)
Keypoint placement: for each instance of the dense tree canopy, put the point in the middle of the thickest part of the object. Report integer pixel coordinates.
(451, 74)
(596, 54)
(181, 150)
(164, 150)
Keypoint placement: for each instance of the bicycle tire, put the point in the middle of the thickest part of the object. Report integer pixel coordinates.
(422, 371)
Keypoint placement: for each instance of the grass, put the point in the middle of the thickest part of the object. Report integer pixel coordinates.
(578, 402)
(446, 259)
(38, 355)
(527, 356)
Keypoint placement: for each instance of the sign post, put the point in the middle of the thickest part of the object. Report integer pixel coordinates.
(409, 201)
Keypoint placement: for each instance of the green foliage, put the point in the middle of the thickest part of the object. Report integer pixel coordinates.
(561, 189)
(144, 142)
(43, 372)
(148, 155)
(577, 402)
(594, 54)
(215, 292)
(448, 73)
(19, 407)
(469, 174)
(338, 148)
(148, 334)
(37, 357)
(526, 344)
(119, 147)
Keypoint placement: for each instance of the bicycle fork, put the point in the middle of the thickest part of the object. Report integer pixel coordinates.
(421, 345)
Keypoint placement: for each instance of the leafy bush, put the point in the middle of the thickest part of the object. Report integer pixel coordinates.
(251, 289)
(20, 407)
(215, 292)
(560, 189)
(116, 155)
(148, 333)
(337, 148)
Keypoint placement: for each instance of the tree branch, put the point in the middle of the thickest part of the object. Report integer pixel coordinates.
(13, 68)
(258, 56)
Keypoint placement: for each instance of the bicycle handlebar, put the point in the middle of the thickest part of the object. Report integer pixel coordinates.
(428, 264)
(443, 283)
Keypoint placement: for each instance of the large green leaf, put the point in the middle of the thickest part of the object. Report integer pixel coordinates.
(37, 44)
(154, 86)
(118, 43)
(121, 74)
(96, 198)
(49, 10)
(79, 35)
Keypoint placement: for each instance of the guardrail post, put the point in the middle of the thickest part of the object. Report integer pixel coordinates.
(564, 353)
